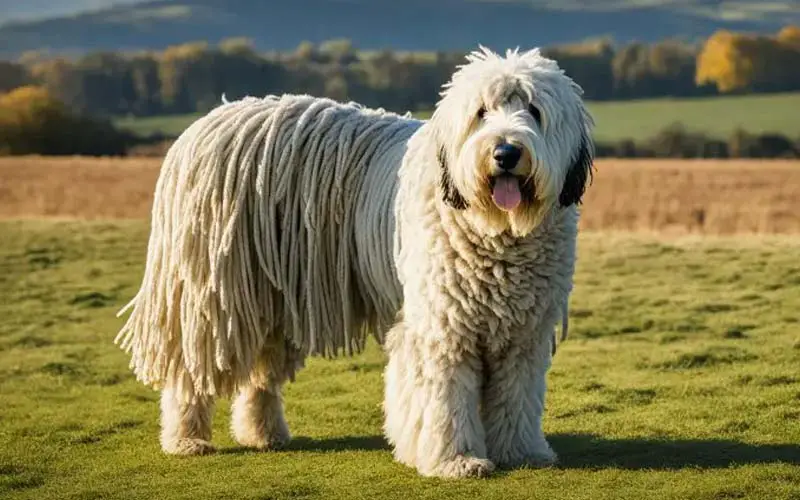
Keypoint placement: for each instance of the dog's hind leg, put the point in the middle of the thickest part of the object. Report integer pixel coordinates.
(257, 419)
(257, 416)
(186, 426)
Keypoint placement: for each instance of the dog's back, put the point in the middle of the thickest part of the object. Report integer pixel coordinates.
(272, 219)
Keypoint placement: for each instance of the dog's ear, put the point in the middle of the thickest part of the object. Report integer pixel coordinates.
(579, 172)
(450, 194)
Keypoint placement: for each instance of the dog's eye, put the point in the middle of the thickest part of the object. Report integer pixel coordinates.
(536, 113)
(481, 113)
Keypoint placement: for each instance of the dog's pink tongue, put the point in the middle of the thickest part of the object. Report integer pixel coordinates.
(506, 192)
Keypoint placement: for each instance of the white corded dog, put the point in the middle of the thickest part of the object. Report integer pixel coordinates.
(292, 226)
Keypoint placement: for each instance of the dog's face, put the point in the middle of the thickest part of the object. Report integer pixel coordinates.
(514, 140)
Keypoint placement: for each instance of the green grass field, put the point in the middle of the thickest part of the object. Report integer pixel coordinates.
(171, 125)
(681, 380)
(715, 116)
(638, 120)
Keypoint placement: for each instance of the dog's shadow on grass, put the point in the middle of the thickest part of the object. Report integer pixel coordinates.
(587, 451)
(336, 444)
(345, 443)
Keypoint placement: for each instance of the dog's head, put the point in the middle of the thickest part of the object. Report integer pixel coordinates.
(513, 139)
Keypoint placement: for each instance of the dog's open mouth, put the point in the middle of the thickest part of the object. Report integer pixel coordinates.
(506, 191)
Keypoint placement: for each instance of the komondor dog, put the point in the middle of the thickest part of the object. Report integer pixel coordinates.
(292, 226)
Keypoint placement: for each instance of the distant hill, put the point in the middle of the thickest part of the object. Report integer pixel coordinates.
(26, 10)
(374, 24)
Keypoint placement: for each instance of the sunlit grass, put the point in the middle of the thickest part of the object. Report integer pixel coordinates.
(680, 381)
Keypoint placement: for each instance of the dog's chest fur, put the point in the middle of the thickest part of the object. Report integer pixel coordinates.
(489, 292)
(514, 283)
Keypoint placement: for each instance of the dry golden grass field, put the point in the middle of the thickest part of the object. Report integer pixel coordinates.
(674, 196)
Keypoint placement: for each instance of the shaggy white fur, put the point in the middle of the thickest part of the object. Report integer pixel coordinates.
(292, 226)
(483, 285)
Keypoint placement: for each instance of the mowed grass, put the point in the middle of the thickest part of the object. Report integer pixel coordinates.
(715, 116)
(680, 380)
(617, 120)
(169, 125)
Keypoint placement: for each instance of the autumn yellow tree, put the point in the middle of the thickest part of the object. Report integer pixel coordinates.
(720, 63)
(32, 121)
(790, 36)
(29, 119)
(739, 62)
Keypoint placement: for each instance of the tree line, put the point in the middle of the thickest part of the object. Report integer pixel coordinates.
(193, 77)
(676, 141)
(32, 121)
(63, 106)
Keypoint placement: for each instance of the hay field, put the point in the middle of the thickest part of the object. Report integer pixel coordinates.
(686, 196)
(76, 187)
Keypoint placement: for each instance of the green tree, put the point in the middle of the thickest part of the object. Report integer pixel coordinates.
(13, 75)
(183, 72)
(146, 85)
(339, 51)
(589, 64)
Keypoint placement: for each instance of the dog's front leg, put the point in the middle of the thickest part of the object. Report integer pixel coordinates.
(431, 405)
(513, 405)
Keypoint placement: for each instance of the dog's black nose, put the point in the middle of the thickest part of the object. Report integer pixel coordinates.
(507, 156)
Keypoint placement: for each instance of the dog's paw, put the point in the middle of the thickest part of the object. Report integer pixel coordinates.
(276, 440)
(188, 446)
(465, 466)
